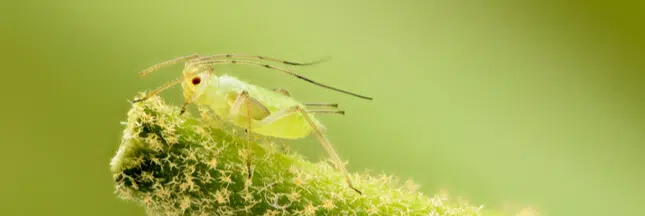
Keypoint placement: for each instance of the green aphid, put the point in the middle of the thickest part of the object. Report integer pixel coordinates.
(272, 113)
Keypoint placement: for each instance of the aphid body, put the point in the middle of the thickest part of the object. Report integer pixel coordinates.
(260, 111)
(220, 93)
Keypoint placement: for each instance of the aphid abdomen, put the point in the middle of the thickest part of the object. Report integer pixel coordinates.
(292, 126)
(225, 90)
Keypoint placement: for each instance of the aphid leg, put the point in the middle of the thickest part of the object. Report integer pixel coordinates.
(159, 89)
(243, 98)
(259, 110)
(237, 105)
(334, 105)
(340, 112)
(324, 108)
(183, 108)
(330, 149)
(319, 134)
(249, 151)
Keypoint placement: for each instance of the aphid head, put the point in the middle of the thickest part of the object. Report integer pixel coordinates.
(196, 79)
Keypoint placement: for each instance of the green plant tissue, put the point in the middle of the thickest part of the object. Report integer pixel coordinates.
(174, 164)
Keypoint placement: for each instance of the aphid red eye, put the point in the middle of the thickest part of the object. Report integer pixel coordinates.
(197, 80)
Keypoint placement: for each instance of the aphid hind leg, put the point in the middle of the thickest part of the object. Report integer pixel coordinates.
(318, 133)
(330, 149)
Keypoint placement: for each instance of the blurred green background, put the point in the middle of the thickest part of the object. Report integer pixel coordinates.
(537, 104)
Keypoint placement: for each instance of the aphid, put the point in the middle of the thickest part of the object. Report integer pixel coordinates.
(261, 111)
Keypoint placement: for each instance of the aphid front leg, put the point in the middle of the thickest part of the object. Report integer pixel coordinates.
(253, 109)
(159, 89)
(162, 65)
(320, 135)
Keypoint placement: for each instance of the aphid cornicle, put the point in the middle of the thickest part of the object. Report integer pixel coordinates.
(260, 111)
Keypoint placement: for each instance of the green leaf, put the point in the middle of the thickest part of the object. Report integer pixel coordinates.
(182, 165)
